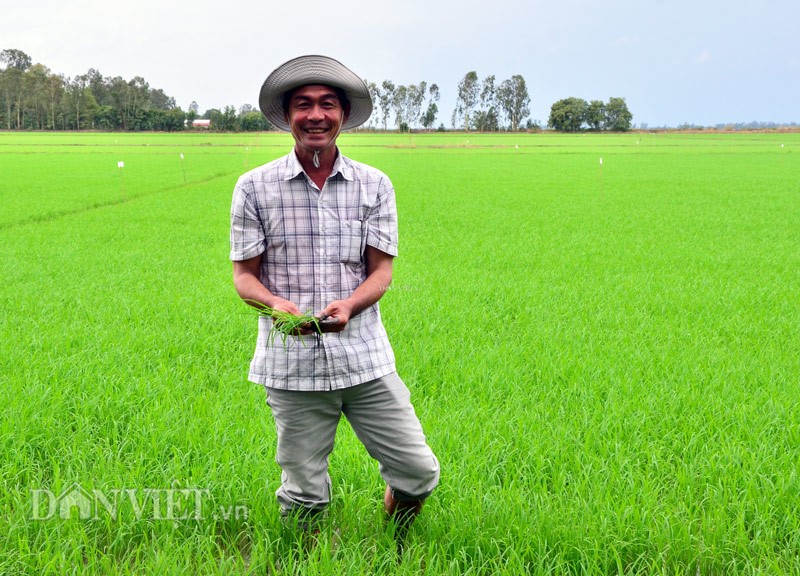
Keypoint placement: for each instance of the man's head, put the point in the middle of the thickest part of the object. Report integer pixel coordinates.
(284, 83)
(315, 114)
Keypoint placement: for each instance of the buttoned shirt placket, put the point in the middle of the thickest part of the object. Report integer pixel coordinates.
(327, 227)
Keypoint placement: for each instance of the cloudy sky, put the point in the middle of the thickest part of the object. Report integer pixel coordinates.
(675, 61)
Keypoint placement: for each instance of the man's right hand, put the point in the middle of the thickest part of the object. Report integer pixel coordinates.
(285, 306)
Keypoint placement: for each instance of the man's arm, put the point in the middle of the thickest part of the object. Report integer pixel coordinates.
(379, 276)
(246, 279)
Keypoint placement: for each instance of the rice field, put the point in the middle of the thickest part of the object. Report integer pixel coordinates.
(604, 356)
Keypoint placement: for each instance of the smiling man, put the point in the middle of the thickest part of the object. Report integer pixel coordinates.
(315, 231)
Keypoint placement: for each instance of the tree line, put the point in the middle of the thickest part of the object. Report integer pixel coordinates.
(574, 114)
(405, 102)
(484, 106)
(32, 97)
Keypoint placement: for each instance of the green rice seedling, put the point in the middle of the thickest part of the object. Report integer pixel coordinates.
(630, 405)
(285, 323)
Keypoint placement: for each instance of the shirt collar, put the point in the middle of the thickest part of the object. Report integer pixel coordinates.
(340, 166)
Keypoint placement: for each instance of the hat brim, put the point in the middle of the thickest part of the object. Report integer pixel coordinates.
(314, 69)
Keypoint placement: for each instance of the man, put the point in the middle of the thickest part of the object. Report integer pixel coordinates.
(316, 232)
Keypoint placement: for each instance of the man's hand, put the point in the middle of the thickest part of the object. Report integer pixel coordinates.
(341, 311)
(251, 290)
(379, 276)
(284, 305)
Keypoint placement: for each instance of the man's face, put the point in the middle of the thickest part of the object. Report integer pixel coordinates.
(315, 116)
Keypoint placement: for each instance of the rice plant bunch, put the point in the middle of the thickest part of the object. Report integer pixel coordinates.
(285, 323)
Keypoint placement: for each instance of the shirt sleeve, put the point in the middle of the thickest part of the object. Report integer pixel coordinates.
(247, 233)
(382, 220)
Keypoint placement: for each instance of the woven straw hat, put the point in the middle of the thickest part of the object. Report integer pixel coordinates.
(307, 70)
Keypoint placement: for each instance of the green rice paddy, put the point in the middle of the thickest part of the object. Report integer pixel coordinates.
(605, 358)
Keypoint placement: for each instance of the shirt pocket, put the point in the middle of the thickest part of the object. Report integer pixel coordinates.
(352, 241)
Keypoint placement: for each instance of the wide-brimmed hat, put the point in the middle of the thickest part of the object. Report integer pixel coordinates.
(307, 70)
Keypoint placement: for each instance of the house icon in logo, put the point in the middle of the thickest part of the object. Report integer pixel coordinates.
(75, 497)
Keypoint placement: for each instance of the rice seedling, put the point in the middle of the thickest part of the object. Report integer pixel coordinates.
(621, 397)
(285, 323)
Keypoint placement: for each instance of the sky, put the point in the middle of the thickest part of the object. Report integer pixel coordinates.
(702, 62)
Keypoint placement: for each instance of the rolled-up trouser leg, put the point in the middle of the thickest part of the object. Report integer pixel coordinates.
(306, 426)
(383, 418)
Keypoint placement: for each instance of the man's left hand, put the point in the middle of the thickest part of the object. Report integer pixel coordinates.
(341, 310)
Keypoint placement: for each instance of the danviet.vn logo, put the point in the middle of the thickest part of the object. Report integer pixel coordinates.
(171, 504)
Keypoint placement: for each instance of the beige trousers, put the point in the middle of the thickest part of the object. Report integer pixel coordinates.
(382, 417)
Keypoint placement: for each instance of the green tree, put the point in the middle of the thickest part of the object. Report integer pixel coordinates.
(120, 95)
(100, 87)
(618, 117)
(433, 93)
(172, 120)
(17, 63)
(514, 99)
(596, 115)
(81, 102)
(107, 118)
(15, 59)
(400, 105)
(468, 90)
(375, 95)
(485, 119)
(415, 98)
(429, 118)
(193, 113)
(386, 100)
(54, 90)
(35, 88)
(12, 81)
(568, 115)
(254, 121)
(138, 102)
(225, 121)
(160, 101)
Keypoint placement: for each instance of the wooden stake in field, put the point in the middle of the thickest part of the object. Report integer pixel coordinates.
(121, 166)
(183, 167)
(601, 174)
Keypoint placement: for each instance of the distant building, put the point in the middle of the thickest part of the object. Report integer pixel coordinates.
(200, 123)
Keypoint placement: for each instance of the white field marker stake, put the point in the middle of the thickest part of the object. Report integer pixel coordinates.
(183, 168)
(121, 165)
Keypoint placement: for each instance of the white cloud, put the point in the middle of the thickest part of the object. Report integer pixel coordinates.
(704, 56)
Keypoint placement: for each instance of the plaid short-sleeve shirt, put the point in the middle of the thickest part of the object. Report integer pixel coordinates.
(312, 244)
